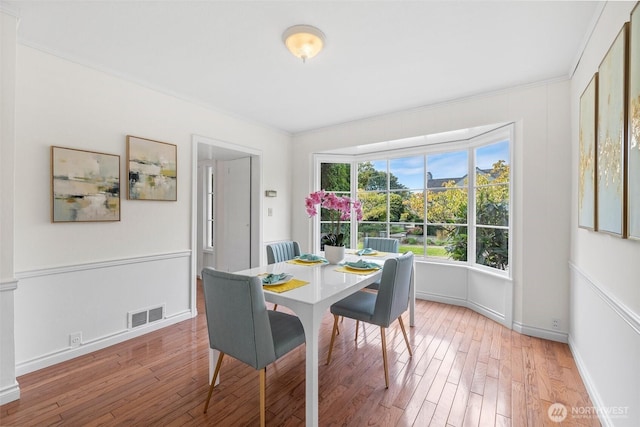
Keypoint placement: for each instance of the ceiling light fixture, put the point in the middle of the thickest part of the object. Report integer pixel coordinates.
(304, 41)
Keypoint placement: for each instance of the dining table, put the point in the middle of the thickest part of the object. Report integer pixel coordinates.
(319, 285)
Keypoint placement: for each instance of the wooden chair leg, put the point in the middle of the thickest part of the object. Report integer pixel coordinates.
(384, 356)
(357, 325)
(333, 337)
(404, 332)
(213, 380)
(275, 307)
(263, 404)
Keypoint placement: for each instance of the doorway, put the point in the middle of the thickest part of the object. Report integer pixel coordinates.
(226, 188)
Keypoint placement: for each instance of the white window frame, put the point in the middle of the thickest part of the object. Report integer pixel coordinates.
(209, 209)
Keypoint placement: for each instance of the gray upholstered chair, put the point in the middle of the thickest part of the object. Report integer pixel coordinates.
(282, 251)
(381, 244)
(381, 308)
(241, 326)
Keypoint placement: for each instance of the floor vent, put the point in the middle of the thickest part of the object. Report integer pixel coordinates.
(142, 317)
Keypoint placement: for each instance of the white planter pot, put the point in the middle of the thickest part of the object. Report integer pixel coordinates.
(334, 254)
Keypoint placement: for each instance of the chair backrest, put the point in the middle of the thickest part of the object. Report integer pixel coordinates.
(382, 244)
(282, 251)
(237, 317)
(393, 295)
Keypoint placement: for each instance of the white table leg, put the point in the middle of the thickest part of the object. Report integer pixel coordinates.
(311, 322)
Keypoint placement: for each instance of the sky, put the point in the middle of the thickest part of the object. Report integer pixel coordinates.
(410, 170)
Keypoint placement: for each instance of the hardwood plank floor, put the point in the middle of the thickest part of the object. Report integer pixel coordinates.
(466, 370)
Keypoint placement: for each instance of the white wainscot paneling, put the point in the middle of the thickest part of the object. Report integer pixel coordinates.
(94, 299)
(605, 340)
(488, 294)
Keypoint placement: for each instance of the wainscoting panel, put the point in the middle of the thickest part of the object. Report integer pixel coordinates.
(486, 293)
(605, 340)
(64, 312)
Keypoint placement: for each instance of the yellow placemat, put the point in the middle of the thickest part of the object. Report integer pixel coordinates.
(291, 284)
(352, 271)
(308, 264)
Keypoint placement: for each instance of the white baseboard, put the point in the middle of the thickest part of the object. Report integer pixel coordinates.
(546, 334)
(97, 344)
(588, 383)
(10, 393)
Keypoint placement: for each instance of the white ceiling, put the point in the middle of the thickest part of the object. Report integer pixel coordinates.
(380, 56)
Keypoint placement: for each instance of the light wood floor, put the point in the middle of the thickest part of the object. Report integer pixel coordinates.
(466, 370)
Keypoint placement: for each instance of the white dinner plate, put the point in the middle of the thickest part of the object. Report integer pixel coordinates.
(374, 252)
(279, 282)
(311, 261)
(362, 268)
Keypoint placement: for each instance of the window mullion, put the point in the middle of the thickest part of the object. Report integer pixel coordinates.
(471, 209)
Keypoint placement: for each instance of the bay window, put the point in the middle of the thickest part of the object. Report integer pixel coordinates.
(445, 202)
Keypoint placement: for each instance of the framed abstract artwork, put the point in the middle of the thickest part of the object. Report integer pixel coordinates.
(151, 170)
(610, 165)
(587, 156)
(85, 186)
(633, 145)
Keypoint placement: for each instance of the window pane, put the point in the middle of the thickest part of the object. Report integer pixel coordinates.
(413, 239)
(407, 172)
(447, 206)
(492, 247)
(492, 205)
(374, 205)
(210, 236)
(413, 207)
(492, 163)
(345, 228)
(367, 229)
(447, 169)
(335, 176)
(449, 242)
(372, 175)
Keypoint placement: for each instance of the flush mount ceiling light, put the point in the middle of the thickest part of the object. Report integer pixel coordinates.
(304, 41)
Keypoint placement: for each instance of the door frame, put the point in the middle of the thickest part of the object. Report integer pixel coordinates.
(217, 149)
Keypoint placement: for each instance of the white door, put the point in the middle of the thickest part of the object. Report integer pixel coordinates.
(234, 246)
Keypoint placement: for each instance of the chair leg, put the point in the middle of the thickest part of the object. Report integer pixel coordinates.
(263, 373)
(213, 381)
(384, 356)
(275, 307)
(357, 325)
(404, 332)
(333, 337)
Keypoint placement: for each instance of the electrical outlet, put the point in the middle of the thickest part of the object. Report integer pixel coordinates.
(75, 339)
(555, 323)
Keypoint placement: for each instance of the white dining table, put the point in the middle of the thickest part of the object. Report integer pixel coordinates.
(310, 302)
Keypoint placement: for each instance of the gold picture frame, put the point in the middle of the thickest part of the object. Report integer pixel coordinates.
(587, 200)
(611, 141)
(633, 145)
(85, 186)
(151, 170)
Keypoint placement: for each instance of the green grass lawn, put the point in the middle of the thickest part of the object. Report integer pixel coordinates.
(435, 251)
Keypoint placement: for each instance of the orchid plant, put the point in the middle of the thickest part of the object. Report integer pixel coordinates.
(338, 209)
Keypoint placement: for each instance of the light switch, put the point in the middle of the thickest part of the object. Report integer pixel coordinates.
(269, 211)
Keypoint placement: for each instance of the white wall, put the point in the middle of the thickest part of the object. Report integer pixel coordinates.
(605, 279)
(9, 389)
(87, 276)
(542, 190)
